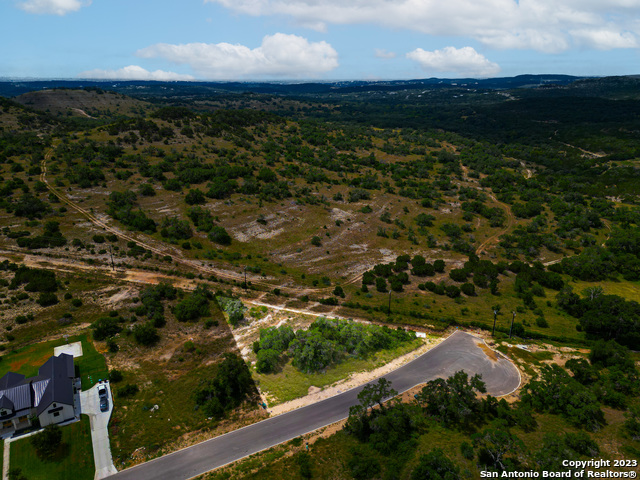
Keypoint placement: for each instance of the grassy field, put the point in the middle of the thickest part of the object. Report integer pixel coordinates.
(440, 310)
(137, 425)
(74, 461)
(625, 289)
(27, 360)
(92, 364)
(291, 383)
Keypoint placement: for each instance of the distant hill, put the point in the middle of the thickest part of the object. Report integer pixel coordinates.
(89, 103)
(171, 89)
(15, 119)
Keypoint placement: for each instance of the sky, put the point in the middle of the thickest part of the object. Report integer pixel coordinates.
(302, 40)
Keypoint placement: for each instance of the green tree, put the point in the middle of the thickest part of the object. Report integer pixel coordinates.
(146, 334)
(219, 235)
(311, 351)
(194, 197)
(632, 422)
(234, 308)
(363, 464)
(435, 465)
(453, 401)
(105, 327)
(381, 284)
(267, 360)
(230, 386)
(497, 448)
(47, 442)
(555, 391)
(193, 306)
(16, 474)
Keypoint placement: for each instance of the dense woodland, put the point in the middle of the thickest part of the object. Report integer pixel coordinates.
(431, 206)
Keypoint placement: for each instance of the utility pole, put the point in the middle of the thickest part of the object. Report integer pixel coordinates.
(111, 252)
(512, 320)
(495, 317)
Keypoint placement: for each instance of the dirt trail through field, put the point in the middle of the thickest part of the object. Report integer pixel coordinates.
(82, 112)
(510, 217)
(511, 220)
(586, 152)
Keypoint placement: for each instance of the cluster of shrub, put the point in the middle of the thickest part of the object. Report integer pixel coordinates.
(204, 222)
(608, 317)
(395, 272)
(191, 307)
(36, 280)
(621, 256)
(107, 328)
(232, 307)
(51, 237)
(27, 205)
(121, 207)
(324, 343)
(389, 432)
(227, 390)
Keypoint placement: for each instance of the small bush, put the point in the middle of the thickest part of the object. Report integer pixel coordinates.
(115, 376)
(146, 334)
(467, 450)
(542, 322)
(129, 390)
(46, 299)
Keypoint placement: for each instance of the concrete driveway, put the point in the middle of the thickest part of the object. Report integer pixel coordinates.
(461, 351)
(90, 405)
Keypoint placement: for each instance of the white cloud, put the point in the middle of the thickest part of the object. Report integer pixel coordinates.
(459, 61)
(382, 53)
(134, 72)
(52, 7)
(279, 55)
(543, 25)
(604, 39)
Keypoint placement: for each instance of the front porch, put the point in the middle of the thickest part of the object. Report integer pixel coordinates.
(13, 425)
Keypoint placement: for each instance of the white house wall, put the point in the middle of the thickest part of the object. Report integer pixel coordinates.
(66, 412)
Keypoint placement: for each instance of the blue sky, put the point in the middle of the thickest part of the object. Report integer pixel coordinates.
(316, 39)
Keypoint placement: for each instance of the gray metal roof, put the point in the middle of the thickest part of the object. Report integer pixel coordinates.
(6, 403)
(53, 384)
(39, 388)
(60, 372)
(10, 379)
(20, 396)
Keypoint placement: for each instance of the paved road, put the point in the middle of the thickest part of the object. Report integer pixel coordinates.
(458, 352)
(90, 405)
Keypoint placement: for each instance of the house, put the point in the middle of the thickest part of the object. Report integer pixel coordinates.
(49, 396)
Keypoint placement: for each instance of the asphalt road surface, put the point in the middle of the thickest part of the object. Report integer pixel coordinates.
(459, 352)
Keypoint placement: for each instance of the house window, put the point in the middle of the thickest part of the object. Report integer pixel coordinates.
(56, 414)
(7, 424)
(54, 405)
(3, 413)
(24, 418)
